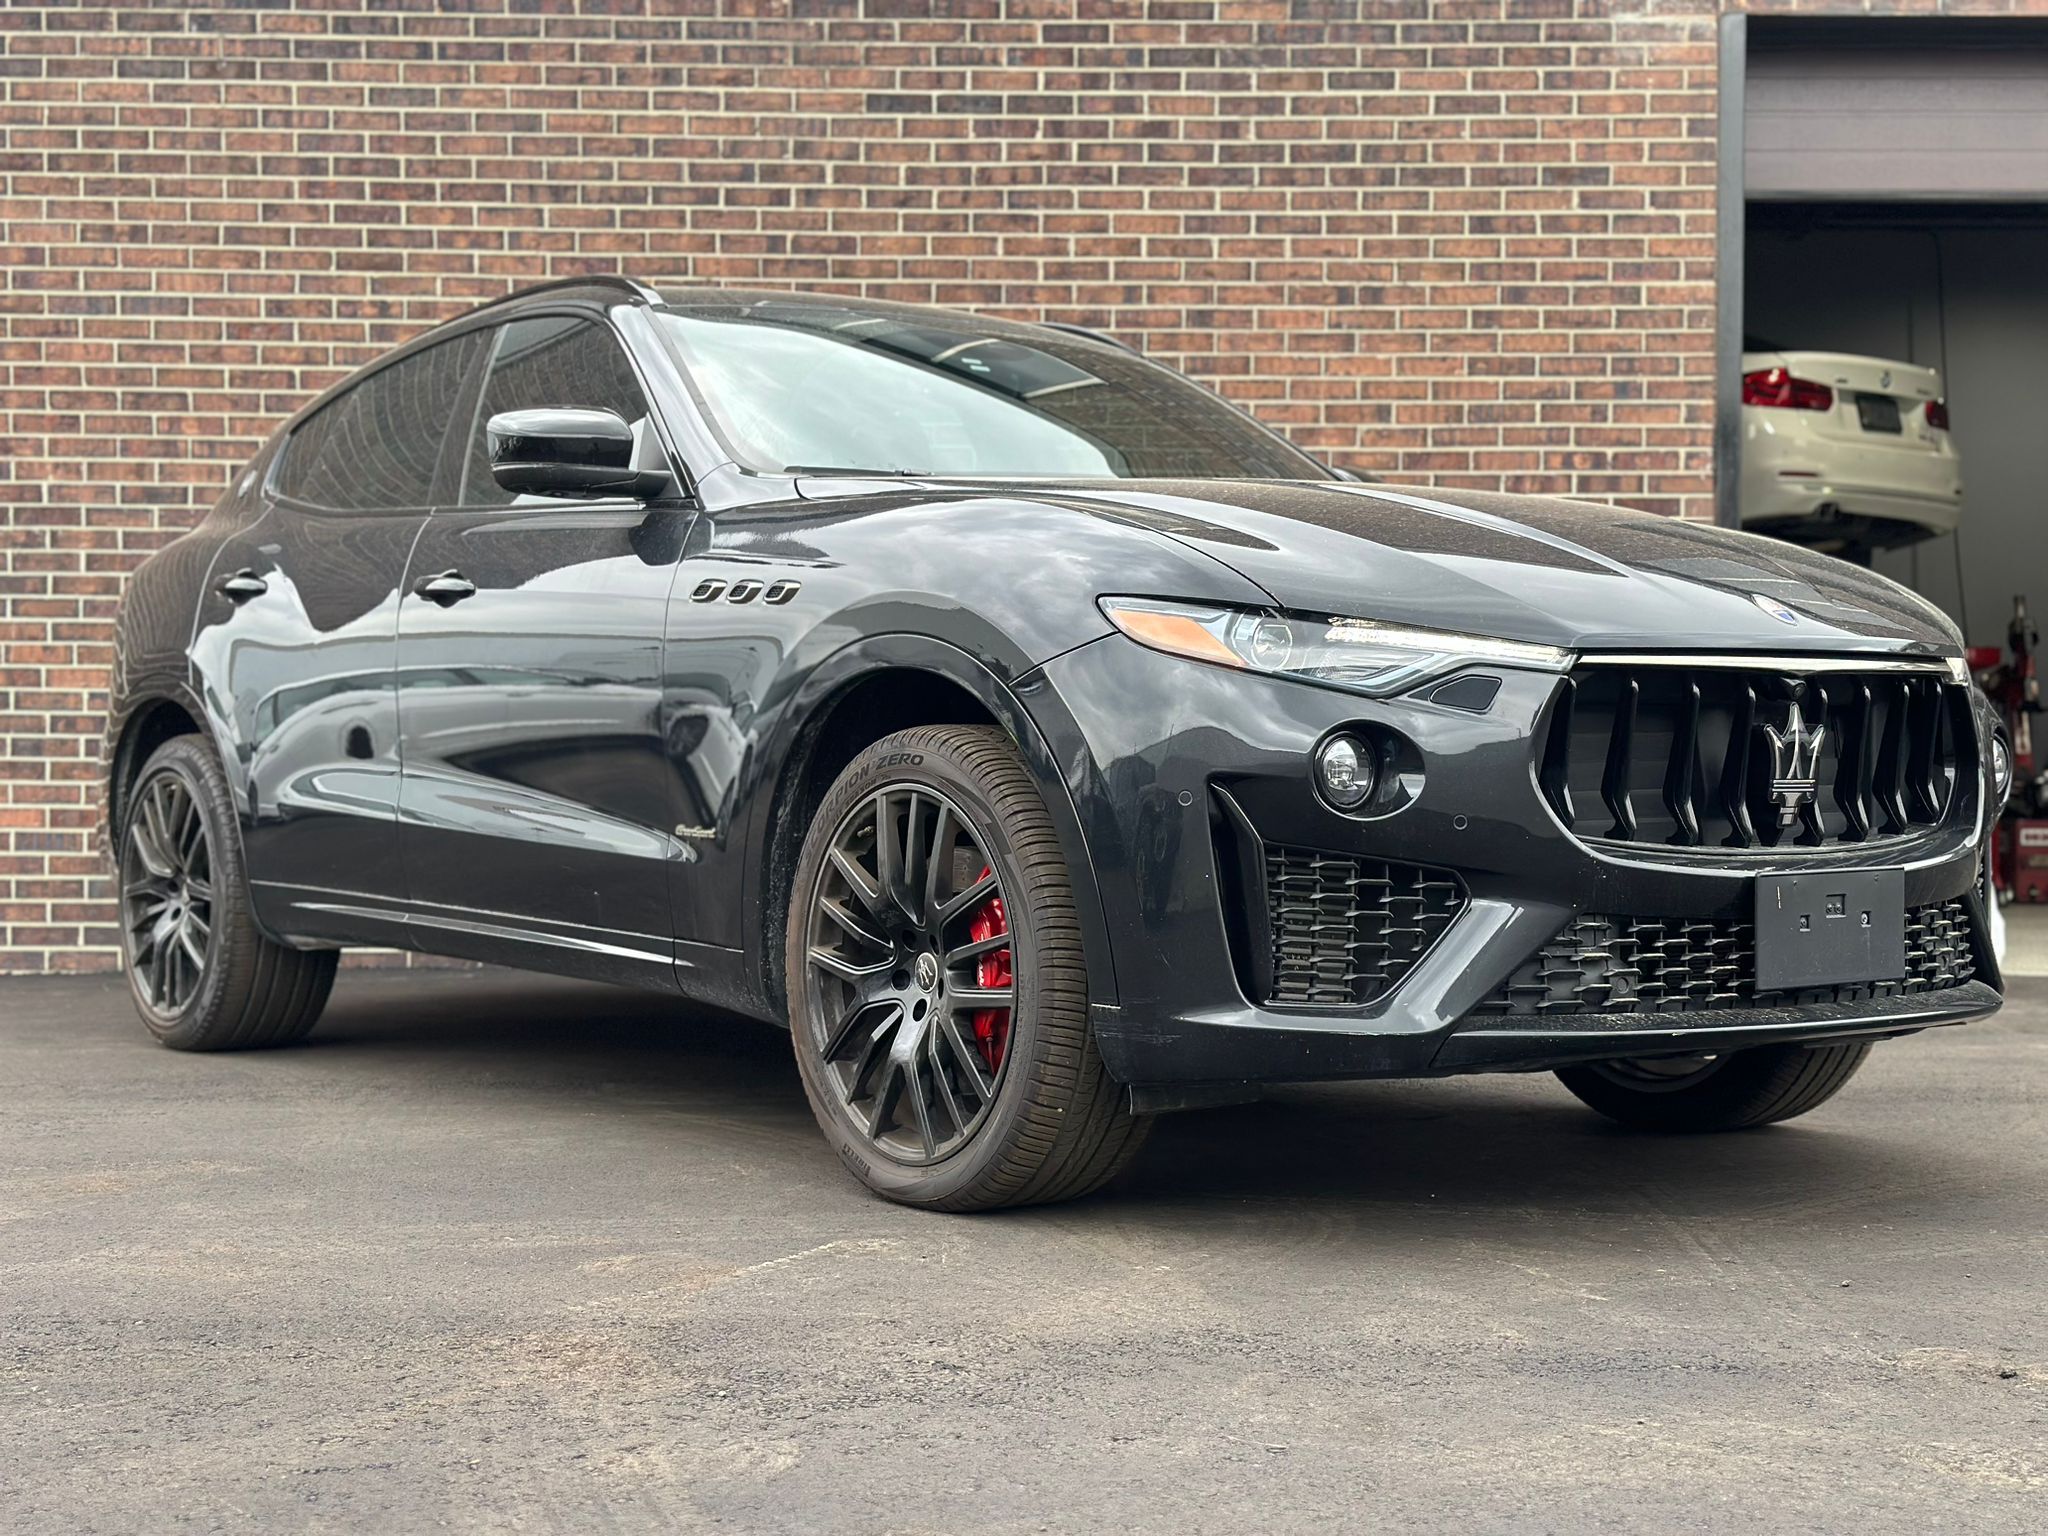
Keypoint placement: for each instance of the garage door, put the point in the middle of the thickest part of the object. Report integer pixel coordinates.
(1890, 123)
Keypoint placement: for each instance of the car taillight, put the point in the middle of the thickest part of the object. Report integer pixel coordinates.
(1777, 386)
(1937, 415)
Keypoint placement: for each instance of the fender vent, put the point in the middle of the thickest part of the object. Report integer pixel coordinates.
(1652, 965)
(1347, 930)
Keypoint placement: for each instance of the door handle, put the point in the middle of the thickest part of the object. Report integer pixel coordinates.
(447, 589)
(242, 586)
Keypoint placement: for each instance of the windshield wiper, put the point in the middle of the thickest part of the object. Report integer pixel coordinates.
(845, 469)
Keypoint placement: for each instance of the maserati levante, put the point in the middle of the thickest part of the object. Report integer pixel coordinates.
(1045, 742)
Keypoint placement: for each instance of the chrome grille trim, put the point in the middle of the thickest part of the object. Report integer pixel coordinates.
(1740, 662)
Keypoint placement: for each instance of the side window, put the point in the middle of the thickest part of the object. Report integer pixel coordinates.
(549, 360)
(376, 445)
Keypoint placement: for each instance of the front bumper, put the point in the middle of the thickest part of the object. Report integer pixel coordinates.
(1168, 760)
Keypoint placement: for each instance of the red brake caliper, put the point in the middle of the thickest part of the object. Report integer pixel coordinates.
(991, 1025)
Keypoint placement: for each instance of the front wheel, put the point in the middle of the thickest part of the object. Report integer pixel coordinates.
(938, 995)
(204, 977)
(1726, 1092)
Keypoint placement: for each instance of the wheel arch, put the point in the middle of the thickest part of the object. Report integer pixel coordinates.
(160, 714)
(153, 712)
(871, 689)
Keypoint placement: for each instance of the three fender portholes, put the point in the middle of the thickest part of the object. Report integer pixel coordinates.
(773, 592)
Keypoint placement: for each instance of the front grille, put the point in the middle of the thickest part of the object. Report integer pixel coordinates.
(1683, 756)
(1655, 965)
(1346, 930)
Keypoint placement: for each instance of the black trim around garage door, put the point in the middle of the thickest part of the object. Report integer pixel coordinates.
(1729, 235)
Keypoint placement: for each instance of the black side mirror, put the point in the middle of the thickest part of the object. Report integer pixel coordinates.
(561, 450)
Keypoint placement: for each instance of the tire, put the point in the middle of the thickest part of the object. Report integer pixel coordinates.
(1733, 1092)
(929, 1098)
(203, 977)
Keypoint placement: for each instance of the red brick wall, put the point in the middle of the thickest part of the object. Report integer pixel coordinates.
(1462, 243)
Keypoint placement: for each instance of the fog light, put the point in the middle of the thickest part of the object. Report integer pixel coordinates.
(2001, 770)
(1345, 772)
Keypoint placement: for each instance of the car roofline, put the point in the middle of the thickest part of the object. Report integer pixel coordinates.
(564, 287)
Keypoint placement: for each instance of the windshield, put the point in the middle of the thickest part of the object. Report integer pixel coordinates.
(800, 387)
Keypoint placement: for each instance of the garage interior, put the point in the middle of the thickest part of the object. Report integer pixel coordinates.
(1891, 207)
(1892, 175)
(1959, 289)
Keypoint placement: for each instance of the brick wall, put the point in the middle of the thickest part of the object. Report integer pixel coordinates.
(1458, 242)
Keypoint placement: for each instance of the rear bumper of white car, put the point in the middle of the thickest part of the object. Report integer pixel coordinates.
(1793, 475)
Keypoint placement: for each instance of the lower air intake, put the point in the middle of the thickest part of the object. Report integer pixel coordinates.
(1650, 965)
(1346, 930)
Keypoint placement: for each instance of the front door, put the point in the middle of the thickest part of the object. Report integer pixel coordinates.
(297, 630)
(538, 805)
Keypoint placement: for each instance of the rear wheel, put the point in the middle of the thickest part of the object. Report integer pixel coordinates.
(938, 995)
(1726, 1092)
(204, 977)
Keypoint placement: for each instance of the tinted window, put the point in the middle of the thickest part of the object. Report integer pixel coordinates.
(551, 360)
(794, 386)
(376, 445)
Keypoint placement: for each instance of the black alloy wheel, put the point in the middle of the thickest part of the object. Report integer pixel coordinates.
(1658, 1074)
(167, 894)
(1728, 1091)
(938, 989)
(910, 973)
(205, 978)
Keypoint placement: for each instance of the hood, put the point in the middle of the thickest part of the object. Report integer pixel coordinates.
(1565, 573)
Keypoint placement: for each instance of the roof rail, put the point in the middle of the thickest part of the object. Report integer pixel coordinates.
(612, 280)
(1093, 335)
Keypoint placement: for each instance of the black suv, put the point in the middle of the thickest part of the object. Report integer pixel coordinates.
(1046, 741)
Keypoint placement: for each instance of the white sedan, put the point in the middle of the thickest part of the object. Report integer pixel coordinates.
(1845, 453)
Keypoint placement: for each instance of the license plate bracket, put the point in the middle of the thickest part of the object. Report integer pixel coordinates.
(1878, 413)
(1823, 930)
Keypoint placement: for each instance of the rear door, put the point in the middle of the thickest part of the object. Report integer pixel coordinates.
(539, 806)
(297, 631)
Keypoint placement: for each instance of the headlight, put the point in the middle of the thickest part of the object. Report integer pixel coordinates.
(1359, 654)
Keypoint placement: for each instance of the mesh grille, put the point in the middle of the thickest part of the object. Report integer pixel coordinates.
(1346, 930)
(1649, 965)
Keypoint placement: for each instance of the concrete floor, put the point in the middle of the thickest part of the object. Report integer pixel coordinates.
(500, 1253)
(2026, 940)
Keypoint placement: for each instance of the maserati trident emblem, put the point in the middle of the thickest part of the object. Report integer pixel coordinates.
(1795, 764)
(1774, 608)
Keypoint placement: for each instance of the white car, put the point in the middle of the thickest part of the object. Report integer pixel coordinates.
(1845, 453)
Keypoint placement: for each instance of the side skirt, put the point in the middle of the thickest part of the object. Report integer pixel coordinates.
(306, 913)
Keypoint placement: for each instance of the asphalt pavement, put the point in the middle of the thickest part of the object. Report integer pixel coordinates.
(492, 1252)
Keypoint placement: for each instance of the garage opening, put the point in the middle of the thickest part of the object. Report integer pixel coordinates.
(1960, 291)
(1883, 337)
(1894, 176)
